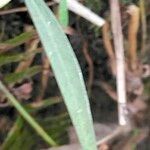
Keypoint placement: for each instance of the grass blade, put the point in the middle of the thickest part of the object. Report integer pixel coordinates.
(12, 78)
(66, 69)
(16, 41)
(10, 58)
(26, 116)
(13, 133)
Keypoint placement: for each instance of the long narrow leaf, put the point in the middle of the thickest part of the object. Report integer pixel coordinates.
(12, 78)
(26, 116)
(16, 41)
(13, 133)
(9, 58)
(66, 69)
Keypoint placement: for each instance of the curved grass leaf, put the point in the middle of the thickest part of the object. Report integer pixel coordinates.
(12, 78)
(16, 41)
(54, 122)
(6, 59)
(9, 58)
(22, 38)
(66, 69)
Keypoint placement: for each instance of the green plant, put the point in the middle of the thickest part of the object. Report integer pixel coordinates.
(22, 136)
(65, 67)
(26, 116)
(66, 70)
(63, 13)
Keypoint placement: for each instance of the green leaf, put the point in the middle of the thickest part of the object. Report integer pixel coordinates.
(26, 115)
(13, 134)
(17, 40)
(9, 58)
(66, 69)
(58, 123)
(12, 78)
(6, 59)
(45, 103)
(63, 13)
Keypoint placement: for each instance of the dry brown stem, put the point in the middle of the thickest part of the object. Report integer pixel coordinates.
(107, 88)
(144, 25)
(133, 27)
(30, 46)
(90, 64)
(44, 77)
(20, 9)
(106, 39)
(109, 47)
(120, 131)
(132, 140)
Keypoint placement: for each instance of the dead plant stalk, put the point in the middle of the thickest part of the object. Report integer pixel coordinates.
(120, 62)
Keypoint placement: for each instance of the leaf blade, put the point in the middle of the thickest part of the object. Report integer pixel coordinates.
(66, 69)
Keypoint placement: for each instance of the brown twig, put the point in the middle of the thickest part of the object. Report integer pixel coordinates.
(4, 105)
(20, 9)
(107, 88)
(144, 25)
(109, 48)
(131, 141)
(30, 46)
(2, 30)
(106, 39)
(90, 64)
(116, 133)
(4, 46)
(44, 78)
(133, 27)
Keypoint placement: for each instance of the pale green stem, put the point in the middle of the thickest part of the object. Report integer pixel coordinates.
(26, 116)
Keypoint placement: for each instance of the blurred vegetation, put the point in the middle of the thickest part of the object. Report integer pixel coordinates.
(50, 112)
